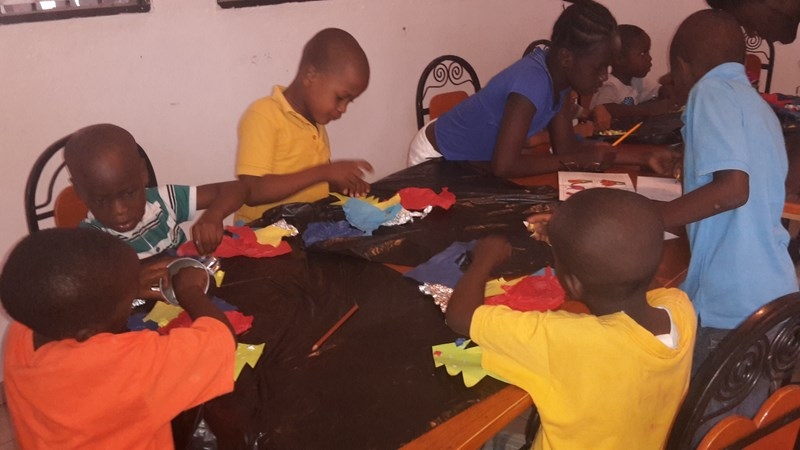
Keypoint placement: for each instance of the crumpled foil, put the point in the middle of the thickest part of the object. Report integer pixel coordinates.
(440, 293)
(405, 216)
(283, 224)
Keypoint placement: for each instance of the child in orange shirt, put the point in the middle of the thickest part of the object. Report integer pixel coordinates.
(73, 377)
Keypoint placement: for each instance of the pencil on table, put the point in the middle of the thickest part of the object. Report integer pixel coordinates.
(627, 133)
(333, 329)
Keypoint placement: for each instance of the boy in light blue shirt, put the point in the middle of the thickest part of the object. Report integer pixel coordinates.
(734, 170)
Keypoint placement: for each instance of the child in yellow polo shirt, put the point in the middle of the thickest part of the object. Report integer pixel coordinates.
(611, 379)
(285, 132)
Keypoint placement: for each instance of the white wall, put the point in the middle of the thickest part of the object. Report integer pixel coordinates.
(180, 76)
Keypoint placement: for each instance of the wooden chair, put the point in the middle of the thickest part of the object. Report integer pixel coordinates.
(440, 79)
(774, 427)
(46, 177)
(761, 353)
(760, 57)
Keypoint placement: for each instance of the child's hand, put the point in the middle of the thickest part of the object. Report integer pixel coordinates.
(601, 118)
(347, 177)
(663, 160)
(207, 233)
(537, 225)
(188, 279)
(149, 276)
(491, 251)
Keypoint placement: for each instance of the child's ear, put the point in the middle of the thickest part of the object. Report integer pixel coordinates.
(309, 74)
(572, 286)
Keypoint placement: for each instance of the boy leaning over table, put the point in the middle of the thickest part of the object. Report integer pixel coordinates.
(611, 379)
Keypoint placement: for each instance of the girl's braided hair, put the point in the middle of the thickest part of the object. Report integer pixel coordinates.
(582, 25)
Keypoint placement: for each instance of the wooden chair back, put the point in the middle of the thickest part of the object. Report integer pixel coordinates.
(762, 351)
(441, 84)
(774, 427)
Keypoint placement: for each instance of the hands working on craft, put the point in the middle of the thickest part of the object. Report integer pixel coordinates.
(347, 177)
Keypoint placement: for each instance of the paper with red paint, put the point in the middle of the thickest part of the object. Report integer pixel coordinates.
(414, 199)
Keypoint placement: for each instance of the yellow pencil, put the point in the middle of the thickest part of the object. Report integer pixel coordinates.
(627, 133)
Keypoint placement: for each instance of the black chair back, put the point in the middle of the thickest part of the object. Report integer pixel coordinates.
(47, 175)
(447, 70)
(544, 44)
(756, 45)
(762, 351)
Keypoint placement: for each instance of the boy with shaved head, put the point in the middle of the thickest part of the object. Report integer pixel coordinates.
(734, 170)
(607, 380)
(285, 132)
(110, 177)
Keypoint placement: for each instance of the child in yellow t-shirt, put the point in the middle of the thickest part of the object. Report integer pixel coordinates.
(607, 380)
(285, 132)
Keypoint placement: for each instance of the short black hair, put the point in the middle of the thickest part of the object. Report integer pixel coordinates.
(611, 239)
(332, 49)
(628, 32)
(582, 25)
(61, 280)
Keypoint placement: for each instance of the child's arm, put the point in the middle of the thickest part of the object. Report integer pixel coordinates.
(729, 190)
(647, 109)
(348, 176)
(508, 159)
(468, 293)
(188, 285)
(219, 201)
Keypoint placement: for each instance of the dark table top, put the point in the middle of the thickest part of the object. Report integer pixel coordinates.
(373, 384)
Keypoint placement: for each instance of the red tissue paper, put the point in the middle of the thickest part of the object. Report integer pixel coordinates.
(533, 293)
(244, 243)
(239, 321)
(414, 199)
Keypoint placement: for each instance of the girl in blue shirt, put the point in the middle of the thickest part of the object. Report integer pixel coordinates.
(532, 94)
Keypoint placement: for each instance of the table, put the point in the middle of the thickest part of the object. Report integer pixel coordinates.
(374, 384)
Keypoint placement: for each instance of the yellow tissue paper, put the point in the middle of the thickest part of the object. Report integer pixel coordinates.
(163, 313)
(246, 354)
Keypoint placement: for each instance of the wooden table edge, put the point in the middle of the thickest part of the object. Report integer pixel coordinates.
(471, 428)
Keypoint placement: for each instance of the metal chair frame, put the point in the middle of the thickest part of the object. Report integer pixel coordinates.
(754, 45)
(446, 70)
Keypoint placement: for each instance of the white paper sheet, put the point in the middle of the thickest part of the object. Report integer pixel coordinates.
(656, 188)
(572, 182)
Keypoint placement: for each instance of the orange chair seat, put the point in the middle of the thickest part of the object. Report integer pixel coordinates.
(68, 209)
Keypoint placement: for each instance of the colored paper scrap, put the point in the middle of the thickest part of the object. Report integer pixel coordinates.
(273, 234)
(445, 267)
(163, 313)
(322, 231)
(371, 199)
(239, 321)
(219, 275)
(532, 293)
(246, 354)
(136, 322)
(367, 217)
(243, 243)
(460, 359)
(496, 286)
(413, 198)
